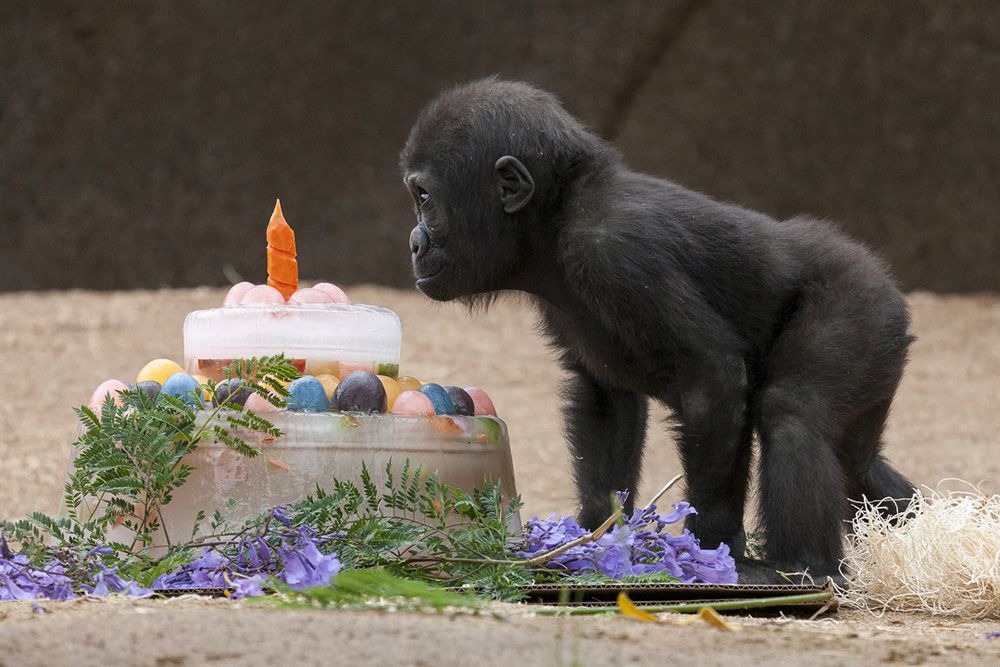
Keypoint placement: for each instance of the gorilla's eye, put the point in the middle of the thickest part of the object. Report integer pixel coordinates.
(422, 195)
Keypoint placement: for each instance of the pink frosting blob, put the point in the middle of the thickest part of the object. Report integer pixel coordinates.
(112, 387)
(481, 401)
(413, 403)
(259, 404)
(236, 293)
(262, 294)
(338, 295)
(310, 295)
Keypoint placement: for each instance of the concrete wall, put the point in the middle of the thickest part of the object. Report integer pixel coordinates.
(143, 144)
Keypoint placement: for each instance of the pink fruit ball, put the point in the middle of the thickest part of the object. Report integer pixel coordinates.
(338, 295)
(258, 404)
(236, 293)
(413, 403)
(481, 401)
(262, 294)
(112, 387)
(310, 295)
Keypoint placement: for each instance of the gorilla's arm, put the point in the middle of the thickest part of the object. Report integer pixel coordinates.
(606, 429)
(659, 312)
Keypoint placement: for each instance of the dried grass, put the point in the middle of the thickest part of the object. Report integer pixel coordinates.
(943, 559)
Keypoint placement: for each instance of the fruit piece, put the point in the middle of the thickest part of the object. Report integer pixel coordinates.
(409, 383)
(282, 269)
(184, 387)
(306, 394)
(360, 391)
(446, 424)
(235, 294)
(317, 368)
(151, 387)
(347, 367)
(483, 402)
(112, 387)
(390, 370)
(462, 400)
(257, 403)
(269, 377)
(443, 405)
(338, 295)
(202, 380)
(158, 370)
(232, 392)
(262, 294)
(329, 383)
(310, 295)
(413, 403)
(392, 390)
(492, 430)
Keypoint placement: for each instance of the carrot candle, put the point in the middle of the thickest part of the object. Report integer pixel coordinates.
(282, 269)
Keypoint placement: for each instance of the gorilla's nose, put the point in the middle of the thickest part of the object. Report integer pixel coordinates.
(419, 242)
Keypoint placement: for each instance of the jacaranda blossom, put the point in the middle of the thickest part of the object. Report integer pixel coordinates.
(640, 545)
(20, 580)
(298, 562)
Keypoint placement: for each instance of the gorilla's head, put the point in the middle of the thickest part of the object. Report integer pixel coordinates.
(488, 165)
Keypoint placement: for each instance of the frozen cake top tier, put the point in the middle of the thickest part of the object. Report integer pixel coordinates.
(328, 331)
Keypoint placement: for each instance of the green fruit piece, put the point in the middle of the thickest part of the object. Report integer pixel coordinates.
(392, 370)
(491, 427)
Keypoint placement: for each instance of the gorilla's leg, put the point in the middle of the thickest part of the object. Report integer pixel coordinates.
(802, 492)
(606, 429)
(870, 475)
(716, 440)
(808, 398)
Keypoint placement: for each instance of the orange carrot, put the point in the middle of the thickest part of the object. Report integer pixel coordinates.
(282, 269)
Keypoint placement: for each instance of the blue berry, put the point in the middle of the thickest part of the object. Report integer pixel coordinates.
(306, 394)
(443, 405)
(184, 387)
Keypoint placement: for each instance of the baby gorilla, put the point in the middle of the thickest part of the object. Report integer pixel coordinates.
(737, 322)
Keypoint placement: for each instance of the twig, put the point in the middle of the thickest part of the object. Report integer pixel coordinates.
(666, 487)
(543, 557)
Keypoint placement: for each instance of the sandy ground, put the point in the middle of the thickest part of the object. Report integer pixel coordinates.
(62, 344)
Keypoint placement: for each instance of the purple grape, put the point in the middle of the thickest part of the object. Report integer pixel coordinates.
(234, 390)
(151, 387)
(360, 391)
(463, 402)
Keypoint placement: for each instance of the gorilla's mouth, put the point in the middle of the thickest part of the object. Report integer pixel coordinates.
(423, 280)
(426, 280)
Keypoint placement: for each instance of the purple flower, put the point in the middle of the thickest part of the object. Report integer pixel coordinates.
(20, 580)
(207, 571)
(280, 514)
(305, 566)
(253, 553)
(640, 546)
(245, 587)
(107, 580)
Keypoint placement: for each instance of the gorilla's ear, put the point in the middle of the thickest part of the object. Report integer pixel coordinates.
(516, 184)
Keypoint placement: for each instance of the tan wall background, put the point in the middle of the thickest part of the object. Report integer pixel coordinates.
(142, 144)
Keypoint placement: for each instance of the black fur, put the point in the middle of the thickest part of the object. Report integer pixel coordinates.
(737, 322)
